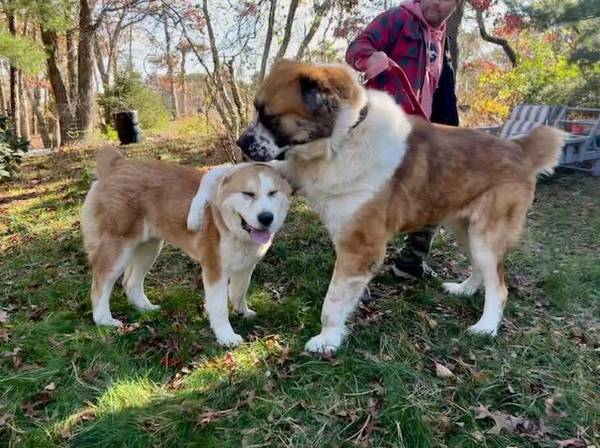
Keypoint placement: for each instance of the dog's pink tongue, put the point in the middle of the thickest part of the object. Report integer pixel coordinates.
(260, 236)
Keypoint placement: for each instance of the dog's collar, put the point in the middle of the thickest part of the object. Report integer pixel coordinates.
(361, 116)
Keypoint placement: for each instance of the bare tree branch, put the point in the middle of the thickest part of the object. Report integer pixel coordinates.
(269, 38)
(510, 53)
(288, 29)
(320, 11)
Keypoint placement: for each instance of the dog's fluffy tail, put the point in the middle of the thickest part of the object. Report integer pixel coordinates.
(106, 158)
(542, 147)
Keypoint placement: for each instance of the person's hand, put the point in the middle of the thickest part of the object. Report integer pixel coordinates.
(377, 63)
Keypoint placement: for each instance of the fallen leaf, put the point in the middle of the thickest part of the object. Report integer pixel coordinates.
(90, 374)
(66, 434)
(28, 409)
(87, 415)
(443, 371)
(15, 358)
(284, 356)
(570, 443)
(480, 377)
(444, 423)
(211, 415)
(196, 349)
(4, 335)
(377, 388)
(478, 436)
(229, 362)
(367, 355)
(3, 419)
(128, 328)
(36, 313)
(549, 407)
(433, 324)
(532, 428)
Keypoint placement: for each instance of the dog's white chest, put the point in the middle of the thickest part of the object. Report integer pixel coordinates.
(239, 256)
(337, 210)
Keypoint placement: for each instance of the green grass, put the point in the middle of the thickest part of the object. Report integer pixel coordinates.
(65, 382)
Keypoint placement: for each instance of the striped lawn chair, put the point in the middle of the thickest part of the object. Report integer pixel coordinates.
(524, 118)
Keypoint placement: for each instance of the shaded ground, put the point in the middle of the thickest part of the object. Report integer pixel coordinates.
(162, 381)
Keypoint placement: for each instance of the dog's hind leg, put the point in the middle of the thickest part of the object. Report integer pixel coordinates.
(238, 288)
(110, 259)
(490, 262)
(133, 280)
(469, 286)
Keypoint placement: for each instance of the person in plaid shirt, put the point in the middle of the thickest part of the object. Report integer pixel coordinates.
(413, 35)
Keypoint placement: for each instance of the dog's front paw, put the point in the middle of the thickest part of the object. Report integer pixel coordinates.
(229, 339)
(247, 313)
(459, 289)
(146, 306)
(484, 328)
(108, 321)
(326, 343)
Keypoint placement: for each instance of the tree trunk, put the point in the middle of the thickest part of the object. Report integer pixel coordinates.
(314, 27)
(85, 75)
(267, 46)
(288, 29)
(35, 101)
(2, 97)
(170, 62)
(183, 83)
(510, 53)
(101, 67)
(23, 112)
(63, 106)
(233, 86)
(15, 109)
(231, 120)
(452, 28)
(72, 65)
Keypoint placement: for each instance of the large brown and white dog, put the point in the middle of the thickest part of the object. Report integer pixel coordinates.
(371, 171)
(135, 205)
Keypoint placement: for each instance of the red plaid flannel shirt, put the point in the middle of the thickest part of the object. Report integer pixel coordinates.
(399, 34)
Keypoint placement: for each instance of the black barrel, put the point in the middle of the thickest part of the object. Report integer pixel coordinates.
(128, 127)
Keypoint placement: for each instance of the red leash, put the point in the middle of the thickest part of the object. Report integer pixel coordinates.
(415, 107)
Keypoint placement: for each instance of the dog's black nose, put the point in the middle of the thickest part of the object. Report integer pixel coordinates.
(245, 141)
(265, 218)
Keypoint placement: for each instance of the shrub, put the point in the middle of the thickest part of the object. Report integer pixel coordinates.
(129, 92)
(12, 149)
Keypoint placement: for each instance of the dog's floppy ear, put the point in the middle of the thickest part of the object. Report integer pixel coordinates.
(316, 96)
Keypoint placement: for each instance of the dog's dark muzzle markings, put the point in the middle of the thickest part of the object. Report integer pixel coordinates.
(255, 148)
(263, 142)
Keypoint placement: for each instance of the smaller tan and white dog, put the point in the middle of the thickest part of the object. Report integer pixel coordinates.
(134, 206)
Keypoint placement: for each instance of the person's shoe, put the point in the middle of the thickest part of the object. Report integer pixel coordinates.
(413, 271)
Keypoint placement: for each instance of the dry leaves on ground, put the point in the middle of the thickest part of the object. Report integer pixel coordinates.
(442, 371)
(211, 415)
(532, 428)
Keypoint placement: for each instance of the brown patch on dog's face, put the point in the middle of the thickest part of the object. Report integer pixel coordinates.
(297, 104)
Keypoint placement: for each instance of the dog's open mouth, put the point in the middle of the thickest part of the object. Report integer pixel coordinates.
(258, 236)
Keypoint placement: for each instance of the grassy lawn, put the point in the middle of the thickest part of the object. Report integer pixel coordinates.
(163, 381)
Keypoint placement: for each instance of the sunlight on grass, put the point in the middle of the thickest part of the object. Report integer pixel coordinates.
(127, 394)
(244, 360)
